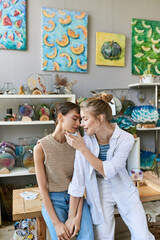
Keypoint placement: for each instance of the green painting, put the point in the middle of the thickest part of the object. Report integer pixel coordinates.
(145, 47)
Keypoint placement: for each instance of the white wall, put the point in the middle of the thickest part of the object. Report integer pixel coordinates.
(112, 16)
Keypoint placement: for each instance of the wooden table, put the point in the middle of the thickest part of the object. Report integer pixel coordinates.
(23, 209)
(148, 194)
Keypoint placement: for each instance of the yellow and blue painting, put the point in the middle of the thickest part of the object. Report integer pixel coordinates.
(13, 24)
(64, 40)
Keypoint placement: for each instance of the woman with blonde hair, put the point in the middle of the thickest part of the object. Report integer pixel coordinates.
(100, 168)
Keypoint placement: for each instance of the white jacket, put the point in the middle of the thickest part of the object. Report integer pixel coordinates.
(84, 177)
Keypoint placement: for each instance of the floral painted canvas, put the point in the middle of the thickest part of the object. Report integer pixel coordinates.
(145, 47)
(64, 40)
(110, 49)
(13, 24)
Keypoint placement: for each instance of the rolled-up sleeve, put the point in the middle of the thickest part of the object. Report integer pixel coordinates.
(77, 185)
(118, 161)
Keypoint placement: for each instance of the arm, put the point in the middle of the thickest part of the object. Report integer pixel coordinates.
(39, 157)
(107, 168)
(78, 143)
(119, 158)
(76, 190)
(75, 213)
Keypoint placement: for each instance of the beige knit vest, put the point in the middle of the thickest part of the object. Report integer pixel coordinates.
(59, 163)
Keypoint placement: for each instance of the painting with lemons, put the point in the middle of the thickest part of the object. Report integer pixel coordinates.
(64, 40)
(13, 24)
(110, 49)
(145, 47)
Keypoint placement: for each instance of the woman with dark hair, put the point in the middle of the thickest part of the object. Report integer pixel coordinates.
(100, 168)
(54, 162)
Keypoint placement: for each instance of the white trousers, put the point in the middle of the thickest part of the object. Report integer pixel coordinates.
(135, 219)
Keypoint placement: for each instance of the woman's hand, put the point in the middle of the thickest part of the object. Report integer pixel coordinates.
(76, 142)
(73, 225)
(62, 231)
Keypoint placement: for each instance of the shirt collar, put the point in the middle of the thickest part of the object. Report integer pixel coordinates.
(116, 132)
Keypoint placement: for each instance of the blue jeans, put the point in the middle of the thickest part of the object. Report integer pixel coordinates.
(60, 202)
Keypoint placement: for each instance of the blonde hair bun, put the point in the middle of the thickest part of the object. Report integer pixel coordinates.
(106, 97)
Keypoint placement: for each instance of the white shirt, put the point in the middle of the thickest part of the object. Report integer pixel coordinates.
(124, 191)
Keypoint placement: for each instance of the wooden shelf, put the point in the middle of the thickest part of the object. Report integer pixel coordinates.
(144, 84)
(30, 96)
(17, 171)
(148, 129)
(22, 123)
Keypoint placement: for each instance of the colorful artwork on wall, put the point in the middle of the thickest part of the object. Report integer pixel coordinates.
(145, 47)
(110, 49)
(13, 24)
(64, 40)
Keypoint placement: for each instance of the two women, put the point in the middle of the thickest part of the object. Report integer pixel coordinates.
(54, 162)
(100, 168)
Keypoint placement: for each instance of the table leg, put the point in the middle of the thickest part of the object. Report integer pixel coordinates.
(41, 228)
(0, 214)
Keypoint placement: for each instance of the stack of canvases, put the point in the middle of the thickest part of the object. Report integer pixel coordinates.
(154, 227)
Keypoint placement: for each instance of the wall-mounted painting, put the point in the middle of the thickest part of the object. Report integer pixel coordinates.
(145, 47)
(13, 24)
(64, 40)
(110, 49)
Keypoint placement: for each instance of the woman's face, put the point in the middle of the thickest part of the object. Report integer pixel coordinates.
(90, 124)
(71, 121)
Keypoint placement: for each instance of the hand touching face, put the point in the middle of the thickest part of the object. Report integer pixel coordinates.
(76, 142)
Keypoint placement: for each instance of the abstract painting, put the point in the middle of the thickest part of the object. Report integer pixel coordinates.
(145, 47)
(64, 40)
(110, 49)
(13, 24)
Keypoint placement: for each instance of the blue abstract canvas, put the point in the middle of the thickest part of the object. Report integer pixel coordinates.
(64, 40)
(13, 24)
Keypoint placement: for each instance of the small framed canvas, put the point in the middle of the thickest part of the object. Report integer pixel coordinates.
(110, 49)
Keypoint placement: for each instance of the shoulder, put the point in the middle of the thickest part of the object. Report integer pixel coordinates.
(126, 135)
(44, 139)
(126, 138)
(38, 151)
(38, 147)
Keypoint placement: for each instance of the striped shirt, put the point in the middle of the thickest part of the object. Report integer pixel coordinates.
(102, 155)
(103, 149)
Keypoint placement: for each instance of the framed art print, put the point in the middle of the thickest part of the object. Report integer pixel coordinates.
(13, 24)
(64, 40)
(110, 49)
(145, 47)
